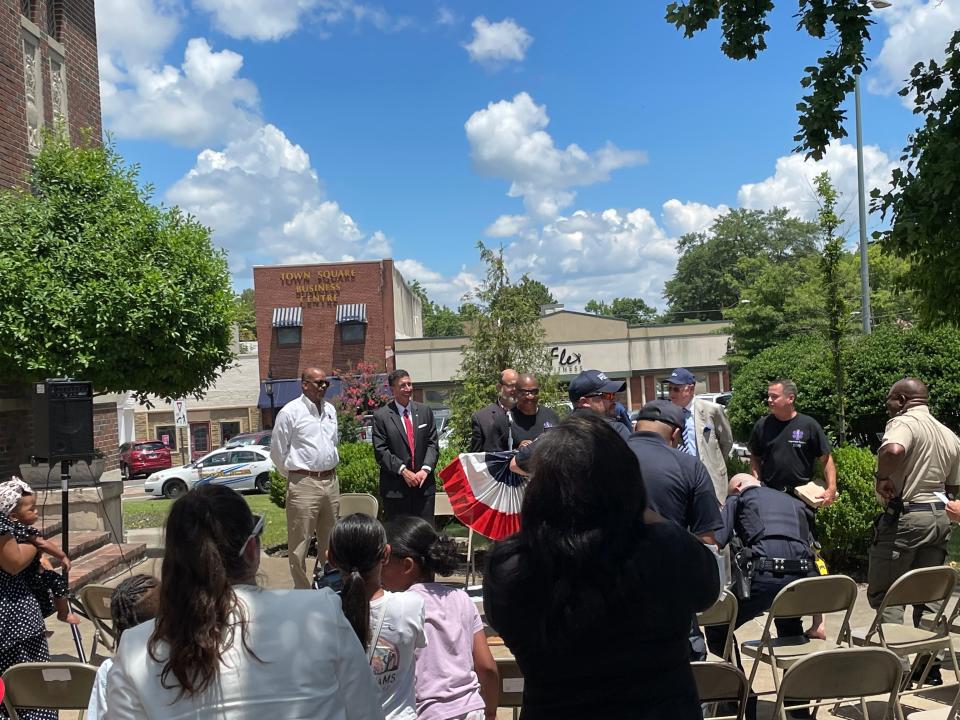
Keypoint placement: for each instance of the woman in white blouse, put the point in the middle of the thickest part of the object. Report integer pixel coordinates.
(220, 647)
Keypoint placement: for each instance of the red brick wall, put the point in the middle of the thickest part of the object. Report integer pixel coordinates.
(649, 388)
(77, 34)
(106, 434)
(277, 286)
(713, 381)
(636, 392)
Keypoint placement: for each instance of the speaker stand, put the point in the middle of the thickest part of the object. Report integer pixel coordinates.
(65, 545)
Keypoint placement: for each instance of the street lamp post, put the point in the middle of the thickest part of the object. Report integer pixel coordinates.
(268, 389)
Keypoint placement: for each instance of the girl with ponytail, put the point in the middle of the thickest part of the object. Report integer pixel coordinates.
(222, 647)
(389, 625)
(448, 688)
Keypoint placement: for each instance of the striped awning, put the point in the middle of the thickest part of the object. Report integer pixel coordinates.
(352, 312)
(288, 317)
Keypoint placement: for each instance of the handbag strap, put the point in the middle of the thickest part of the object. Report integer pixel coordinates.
(376, 635)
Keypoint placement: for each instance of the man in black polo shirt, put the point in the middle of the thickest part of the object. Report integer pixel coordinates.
(678, 485)
(785, 444)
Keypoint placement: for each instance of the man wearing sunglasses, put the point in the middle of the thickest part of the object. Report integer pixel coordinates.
(527, 420)
(303, 448)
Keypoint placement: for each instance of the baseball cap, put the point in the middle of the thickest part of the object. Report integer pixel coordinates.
(593, 381)
(663, 411)
(681, 376)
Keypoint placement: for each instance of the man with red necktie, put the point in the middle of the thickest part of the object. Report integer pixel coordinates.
(406, 447)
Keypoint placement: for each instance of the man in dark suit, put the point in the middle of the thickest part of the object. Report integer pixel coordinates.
(406, 447)
(482, 436)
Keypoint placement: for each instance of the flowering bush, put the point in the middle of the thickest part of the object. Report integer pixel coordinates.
(362, 391)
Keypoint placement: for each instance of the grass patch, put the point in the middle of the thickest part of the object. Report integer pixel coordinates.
(139, 514)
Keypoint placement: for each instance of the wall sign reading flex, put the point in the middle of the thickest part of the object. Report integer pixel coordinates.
(566, 360)
(317, 287)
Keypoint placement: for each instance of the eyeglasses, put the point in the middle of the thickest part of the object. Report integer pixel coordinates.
(528, 391)
(319, 384)
(257, 529)
(604, 395)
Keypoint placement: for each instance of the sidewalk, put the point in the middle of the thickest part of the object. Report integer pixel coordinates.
(275, 574)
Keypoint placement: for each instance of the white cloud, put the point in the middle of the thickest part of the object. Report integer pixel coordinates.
(508, 140)
(264, 202)
(681, 218)
(791, 186)
(204, 101)
(919, 30)
(495, 44)
(440, 289)
(507, 226)
(133, 32)
(446, 16)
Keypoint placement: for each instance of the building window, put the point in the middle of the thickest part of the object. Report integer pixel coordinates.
(228, 430)
(199, 438)
(54, 14)
(288, 336)
(33, 87)
(353, 333)
(58, 92)
(26, 8)
(167, 434)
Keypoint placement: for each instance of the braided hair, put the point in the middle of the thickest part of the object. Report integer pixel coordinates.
(134, 601)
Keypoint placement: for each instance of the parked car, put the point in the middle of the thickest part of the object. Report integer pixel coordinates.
(261, 438)
(243, 468)
(721, 398)
(143, 457)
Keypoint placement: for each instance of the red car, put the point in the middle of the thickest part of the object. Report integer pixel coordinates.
(143, 457)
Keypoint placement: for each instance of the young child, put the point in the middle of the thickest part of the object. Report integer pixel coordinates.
(47, 586)
(132, 602)
(448, 687)
(389, 625)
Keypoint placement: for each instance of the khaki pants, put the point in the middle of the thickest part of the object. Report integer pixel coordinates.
(917, 540)
(312, 508)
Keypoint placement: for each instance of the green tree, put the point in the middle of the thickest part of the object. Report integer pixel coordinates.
(504, 331)
(633, 311)
(247, 315)
(924, 202)
(438, 320)
(363, 389)
(709, 276)
(834, 304)
(846, 23)
(98, 283)
(527, 291)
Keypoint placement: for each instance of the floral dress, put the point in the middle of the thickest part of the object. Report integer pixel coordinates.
(22, 636)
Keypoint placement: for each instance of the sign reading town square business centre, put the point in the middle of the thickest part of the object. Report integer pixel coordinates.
(317, 286)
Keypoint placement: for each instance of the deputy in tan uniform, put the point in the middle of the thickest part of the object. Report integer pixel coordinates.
(918, 456)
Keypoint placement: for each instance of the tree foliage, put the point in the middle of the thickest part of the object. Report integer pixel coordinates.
(362, 390)
(744, 26)
(923, 204)
(633, 311)
(98, 283)
(438, 320)
(505, 331)
(835, 306)
(247, 315)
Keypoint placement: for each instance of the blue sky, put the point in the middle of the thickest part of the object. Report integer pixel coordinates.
(584, 137)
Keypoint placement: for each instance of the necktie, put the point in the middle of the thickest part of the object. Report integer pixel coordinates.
(409, 426)
(688, 439)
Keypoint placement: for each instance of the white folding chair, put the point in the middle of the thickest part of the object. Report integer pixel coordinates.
(48, 685)
(363, 503)
(723, 613)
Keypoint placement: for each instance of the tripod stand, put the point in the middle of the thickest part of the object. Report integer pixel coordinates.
(65, 546)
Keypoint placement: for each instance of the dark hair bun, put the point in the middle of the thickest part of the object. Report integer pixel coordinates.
(443, 557)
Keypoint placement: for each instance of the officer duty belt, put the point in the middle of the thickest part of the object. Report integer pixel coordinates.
(784, 566)
(923, 507)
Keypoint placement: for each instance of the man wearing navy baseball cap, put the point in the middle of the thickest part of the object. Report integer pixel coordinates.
(706, 430)
(592, 391)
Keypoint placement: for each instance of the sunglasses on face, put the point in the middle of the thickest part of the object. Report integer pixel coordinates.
(604, 395)
(528, 391)
(319, 384)
(255, 533)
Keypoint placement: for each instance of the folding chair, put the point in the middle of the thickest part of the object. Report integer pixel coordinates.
(48, 685)
(722, 613)
(95, 600)
(363, 503)
(842, 674)
(923, 586)
(511, 685)
(443, 508)
(806, 596)
(721, 682)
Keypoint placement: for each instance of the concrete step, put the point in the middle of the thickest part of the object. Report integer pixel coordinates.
(104, 561)
(49, 527)
(81, 543)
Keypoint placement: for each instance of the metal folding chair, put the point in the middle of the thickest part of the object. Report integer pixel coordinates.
(48, 685)
(721, 682)
(722, 613)
(95, 600)
(363, 503)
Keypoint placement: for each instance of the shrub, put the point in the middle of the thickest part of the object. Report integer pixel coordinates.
(358, 471)
(845, 529)
(278, 489)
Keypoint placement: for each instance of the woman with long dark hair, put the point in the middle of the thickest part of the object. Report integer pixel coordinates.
(595, 593)
(220, 647)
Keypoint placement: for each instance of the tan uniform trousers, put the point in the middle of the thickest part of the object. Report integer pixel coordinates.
(312, 508)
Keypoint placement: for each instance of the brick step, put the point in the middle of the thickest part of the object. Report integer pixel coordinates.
(49, 527)
(106, 560)
(81, 543)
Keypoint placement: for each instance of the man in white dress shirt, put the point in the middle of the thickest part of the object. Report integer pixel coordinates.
(304, 449)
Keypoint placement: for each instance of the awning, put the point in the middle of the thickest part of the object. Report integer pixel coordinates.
(288, 317)
(351, 312)
(289, 389)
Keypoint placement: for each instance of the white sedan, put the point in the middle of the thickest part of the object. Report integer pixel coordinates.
(243, 468)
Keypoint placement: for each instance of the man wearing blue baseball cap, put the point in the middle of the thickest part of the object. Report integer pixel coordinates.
(706, 430)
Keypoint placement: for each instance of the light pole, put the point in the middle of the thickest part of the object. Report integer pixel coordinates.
(268, 389)
(865, 314)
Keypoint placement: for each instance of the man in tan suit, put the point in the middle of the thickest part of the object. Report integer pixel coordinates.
(707, 433)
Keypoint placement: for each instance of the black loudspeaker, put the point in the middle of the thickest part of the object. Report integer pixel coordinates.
(63, 420)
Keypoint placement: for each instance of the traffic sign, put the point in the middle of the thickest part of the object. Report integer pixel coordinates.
(180, 413)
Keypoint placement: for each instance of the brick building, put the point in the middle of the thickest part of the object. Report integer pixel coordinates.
(48, 78)
(330, 316)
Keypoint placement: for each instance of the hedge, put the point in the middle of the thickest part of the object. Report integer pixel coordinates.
(845, 528)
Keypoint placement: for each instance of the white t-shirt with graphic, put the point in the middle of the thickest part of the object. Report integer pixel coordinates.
(392, 663)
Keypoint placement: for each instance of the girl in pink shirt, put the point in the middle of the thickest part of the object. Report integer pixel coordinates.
(448, 688)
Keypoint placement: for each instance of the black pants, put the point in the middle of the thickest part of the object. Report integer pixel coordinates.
(410, 504)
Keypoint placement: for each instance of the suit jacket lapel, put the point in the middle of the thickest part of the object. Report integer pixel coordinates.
(398, 421)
